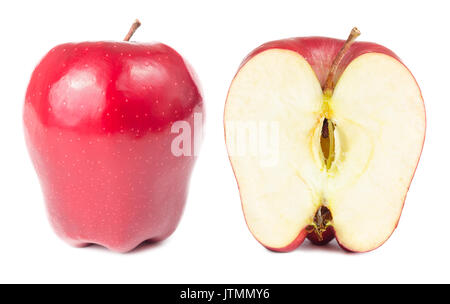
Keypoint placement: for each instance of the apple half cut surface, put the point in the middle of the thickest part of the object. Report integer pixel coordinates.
(324, 137)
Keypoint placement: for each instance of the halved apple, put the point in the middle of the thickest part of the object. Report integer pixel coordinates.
(324, 136)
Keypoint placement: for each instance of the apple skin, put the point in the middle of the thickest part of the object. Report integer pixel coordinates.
(320, 53)
(98, 119)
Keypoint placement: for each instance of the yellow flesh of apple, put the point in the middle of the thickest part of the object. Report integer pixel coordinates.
(379, 125)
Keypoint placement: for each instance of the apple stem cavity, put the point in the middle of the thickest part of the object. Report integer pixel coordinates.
(132, 30)
(329, 84)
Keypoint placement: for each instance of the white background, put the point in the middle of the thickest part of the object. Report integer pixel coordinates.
(212, 243)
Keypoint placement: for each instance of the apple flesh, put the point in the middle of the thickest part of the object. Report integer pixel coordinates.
(360, 173)
(98, 119)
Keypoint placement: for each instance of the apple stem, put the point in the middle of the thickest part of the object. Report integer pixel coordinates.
(132, 30)
(329, 84)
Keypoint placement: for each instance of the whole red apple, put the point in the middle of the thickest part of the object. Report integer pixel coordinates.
(100, 119)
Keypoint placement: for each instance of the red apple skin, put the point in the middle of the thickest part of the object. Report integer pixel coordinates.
(320, 53)
(98, 119)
